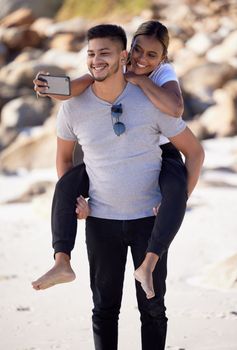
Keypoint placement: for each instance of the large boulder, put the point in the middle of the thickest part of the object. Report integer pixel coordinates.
(220, 119)
(20, 74)
(17, 38)
(226, 51)
(24, 112)
(65, 60)
(202, 80)
(39, 8)
(67, 42)
(8, 93)
(18, 18)
(34, 149)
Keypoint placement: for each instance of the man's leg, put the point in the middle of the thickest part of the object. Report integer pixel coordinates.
(153, 317)
(107, 253)
(64, 226)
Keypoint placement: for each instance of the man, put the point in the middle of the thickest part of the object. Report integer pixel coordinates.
(118, 128)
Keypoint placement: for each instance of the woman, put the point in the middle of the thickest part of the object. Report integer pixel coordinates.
(148, 68)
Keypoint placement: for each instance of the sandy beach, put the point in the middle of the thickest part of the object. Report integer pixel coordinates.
(201, 293)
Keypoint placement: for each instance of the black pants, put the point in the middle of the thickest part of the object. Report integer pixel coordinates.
(107, 246)
(173, 184)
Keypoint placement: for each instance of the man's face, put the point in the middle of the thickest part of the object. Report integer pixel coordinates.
(104, 58)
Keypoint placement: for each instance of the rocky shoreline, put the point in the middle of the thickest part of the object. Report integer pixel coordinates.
(203, 50)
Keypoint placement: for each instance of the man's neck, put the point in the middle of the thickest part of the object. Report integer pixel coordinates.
(110, 89)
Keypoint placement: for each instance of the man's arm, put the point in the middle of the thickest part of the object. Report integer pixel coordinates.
(64, 156)
(193, 152)
(78, 86)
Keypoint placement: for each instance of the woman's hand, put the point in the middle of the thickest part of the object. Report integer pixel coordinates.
(40, 86)
(133, 78)
(156, 209)
(82, 208)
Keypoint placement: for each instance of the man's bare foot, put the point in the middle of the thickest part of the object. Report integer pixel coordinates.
(145, 278)
(60, 273)
(143, 274)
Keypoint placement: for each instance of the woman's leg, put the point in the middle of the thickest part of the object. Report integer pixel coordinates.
(173, 185)
(64, 219)
(64, 226)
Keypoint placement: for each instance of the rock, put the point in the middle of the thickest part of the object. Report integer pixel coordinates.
(65, 60)
(34, 190)
(220, 119)
(41, 25)
(3, 54)
(194, 106)
(24, 112)
(7, 137)
(29, 54)
(191, 59)
(34, 150)
(76, 25)
(198, 129)
(18, 18)
(222, 275)
(8, 93)
(68, 42)
(201, 81)
(20, 74)
(39, 8)
(225, 51)
(17, 38)
(200, 43)
(175, 46)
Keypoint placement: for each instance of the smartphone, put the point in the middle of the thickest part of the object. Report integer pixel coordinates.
(57, 85)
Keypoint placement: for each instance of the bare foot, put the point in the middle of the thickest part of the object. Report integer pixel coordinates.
(144, 276)
(60, 273)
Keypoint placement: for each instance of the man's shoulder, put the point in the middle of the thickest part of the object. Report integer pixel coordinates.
(77, 99)
(135, 91)
(136, 95)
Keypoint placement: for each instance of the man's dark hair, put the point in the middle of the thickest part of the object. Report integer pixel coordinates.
(111, 31)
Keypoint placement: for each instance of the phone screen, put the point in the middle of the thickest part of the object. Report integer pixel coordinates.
(57, 85)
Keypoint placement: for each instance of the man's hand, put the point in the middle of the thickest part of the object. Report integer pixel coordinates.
(82, 208)
(40, 87)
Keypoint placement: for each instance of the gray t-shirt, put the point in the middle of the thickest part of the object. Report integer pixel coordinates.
(123, 170)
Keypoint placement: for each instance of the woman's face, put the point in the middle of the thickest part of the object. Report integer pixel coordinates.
(146, 54)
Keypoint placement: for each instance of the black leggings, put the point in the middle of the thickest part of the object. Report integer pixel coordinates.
(173, 185)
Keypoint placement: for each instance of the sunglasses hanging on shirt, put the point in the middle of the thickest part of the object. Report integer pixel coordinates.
(116, 111)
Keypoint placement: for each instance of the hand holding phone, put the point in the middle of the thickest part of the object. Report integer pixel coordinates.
(53, 85)
(56, 85)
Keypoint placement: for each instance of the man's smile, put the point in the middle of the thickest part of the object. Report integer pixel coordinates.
(99, 68)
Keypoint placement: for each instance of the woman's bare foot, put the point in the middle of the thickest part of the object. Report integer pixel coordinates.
(145, 278)
(143, 274)
(60, 273)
